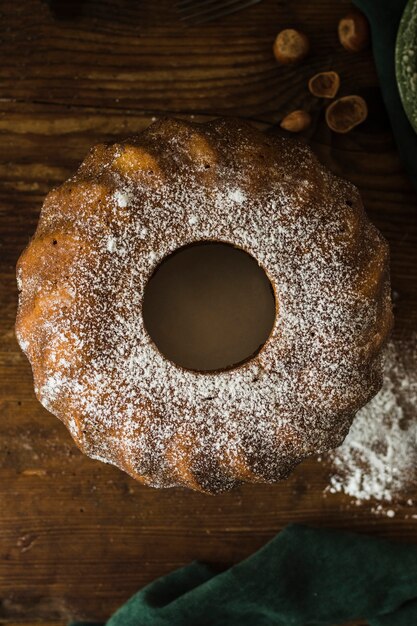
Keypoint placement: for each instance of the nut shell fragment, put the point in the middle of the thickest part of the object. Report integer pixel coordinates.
(324, 84)
(345, 113)
(296, 121)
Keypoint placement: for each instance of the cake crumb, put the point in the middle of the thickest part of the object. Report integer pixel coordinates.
(122, 199)
(111, 244)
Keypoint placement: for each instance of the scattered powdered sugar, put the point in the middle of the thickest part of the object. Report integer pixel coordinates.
(96, 367)
(378, 459)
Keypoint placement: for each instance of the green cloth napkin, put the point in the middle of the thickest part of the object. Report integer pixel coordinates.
(304, 576)
(384, 17)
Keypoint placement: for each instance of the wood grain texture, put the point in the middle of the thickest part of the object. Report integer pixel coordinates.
(78, 537)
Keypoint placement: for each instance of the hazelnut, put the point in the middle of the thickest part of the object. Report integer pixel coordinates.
(290, 46)
(296, 122)
(353, 32)
(324, 84)
(345, 113)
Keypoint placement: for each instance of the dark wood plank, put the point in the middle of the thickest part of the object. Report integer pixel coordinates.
(78, 537)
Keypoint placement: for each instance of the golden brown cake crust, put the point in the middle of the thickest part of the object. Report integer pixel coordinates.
(100, 237)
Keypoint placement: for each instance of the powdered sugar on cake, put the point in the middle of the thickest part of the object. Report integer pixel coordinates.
(126, 404)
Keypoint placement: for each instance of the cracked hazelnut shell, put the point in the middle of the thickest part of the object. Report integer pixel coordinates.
(324, 84)
(345, 113)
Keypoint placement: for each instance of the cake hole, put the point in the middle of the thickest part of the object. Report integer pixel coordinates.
(54, 242)
(209, 307)
(349, 202)
(207, 166)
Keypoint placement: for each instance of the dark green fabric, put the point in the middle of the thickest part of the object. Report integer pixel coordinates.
(304, 576)
(384, 17)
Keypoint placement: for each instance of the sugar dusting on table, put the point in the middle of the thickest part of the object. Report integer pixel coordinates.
(378, 459)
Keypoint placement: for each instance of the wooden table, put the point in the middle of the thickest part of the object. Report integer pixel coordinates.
(77, 537)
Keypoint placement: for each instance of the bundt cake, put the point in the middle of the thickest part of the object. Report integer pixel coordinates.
(100, 237)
